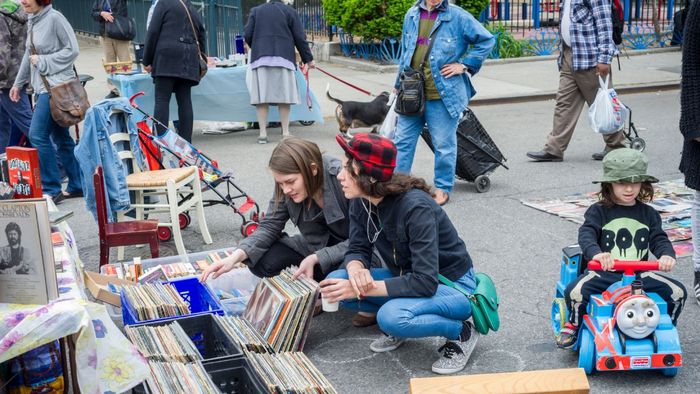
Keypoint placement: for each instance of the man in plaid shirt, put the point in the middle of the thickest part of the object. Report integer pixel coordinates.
(586, 52)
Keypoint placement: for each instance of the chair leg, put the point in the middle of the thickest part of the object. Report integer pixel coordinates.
(120, 249)
(153, 241)
(199, 207)
(138, 198)
(104, 253)
(174, 219)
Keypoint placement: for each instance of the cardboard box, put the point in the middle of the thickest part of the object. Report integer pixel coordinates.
(24, 171)
(97, 284)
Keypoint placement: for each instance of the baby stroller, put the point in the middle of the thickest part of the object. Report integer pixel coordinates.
(477, 154)
(169, 150)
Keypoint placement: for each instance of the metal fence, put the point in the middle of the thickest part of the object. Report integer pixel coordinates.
(533, 14)
(312, 17)
(223, 20)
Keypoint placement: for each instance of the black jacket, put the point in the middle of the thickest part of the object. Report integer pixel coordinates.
(690, 97)
(118, 7)
(171, 46)
(274, 29)
(417, 241)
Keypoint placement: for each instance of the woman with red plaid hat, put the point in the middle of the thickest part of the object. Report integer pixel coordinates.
(396, 215)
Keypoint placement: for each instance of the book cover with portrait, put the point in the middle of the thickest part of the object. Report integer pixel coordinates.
(27, 272)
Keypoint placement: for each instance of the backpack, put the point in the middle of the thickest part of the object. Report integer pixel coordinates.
(618, 21)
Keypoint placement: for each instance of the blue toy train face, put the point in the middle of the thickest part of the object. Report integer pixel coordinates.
(637, 316)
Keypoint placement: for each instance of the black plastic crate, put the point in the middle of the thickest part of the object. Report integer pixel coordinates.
(208, 336)
(235, 376)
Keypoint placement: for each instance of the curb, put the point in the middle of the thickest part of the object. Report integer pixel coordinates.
(551, 95)
(363, 65)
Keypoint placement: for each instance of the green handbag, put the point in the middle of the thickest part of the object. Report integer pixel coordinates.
(484, 302)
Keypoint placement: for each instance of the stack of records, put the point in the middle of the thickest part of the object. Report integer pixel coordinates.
(175, 363)
(281, 309)
(190, 378)
(243, 334)
(290, 372)
(168, 342)
(155, 301)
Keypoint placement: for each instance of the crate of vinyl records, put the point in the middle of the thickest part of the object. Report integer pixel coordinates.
(151, 302)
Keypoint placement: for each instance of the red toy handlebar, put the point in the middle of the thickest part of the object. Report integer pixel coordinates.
(629, 267)
(131, 100)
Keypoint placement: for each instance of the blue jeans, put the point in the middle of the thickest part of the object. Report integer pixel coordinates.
(440, 315)
(443, 130)
(42, 131)
(15, 118)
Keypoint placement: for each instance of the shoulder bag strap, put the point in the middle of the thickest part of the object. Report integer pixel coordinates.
(194, 31)
(430, 47)
(33, 52)
(453, 285)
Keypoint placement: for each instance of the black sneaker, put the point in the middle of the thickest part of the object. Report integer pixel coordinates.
(567, 336)
(112, 95)
(696, 286)
(58, 198)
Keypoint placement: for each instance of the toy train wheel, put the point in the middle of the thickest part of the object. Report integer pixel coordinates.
(482, 183)
(248, 228)
(671, 372)
(586, 354)
(184, 220)
(558, 315)
(306, 122)
(165, 234)
(638, 143)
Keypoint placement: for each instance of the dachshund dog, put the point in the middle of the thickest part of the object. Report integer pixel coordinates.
(354, 114)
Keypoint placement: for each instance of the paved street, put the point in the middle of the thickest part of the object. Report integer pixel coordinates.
(518, 246)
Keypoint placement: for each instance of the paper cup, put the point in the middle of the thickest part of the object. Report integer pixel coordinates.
(329, 306)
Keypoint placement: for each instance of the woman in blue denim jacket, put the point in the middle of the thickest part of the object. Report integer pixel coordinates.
(395, 215)
(447, 87)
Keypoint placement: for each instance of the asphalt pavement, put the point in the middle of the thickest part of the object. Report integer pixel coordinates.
(518, 246)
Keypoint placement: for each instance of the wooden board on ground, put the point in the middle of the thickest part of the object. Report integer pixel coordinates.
(559, 381)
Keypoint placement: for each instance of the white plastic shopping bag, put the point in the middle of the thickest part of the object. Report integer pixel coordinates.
(607, 114)
(388, 128)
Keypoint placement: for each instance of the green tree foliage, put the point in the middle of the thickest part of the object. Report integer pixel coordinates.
(473, 6)
(370, 19)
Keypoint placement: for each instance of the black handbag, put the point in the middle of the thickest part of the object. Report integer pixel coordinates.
(122, 28)
(410, 100)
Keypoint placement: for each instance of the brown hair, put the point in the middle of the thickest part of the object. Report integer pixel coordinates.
(607, 197)
(296, 156)
(399, 183)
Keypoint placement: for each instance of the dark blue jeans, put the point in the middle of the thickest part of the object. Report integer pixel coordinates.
(15, 118)
(42, 131)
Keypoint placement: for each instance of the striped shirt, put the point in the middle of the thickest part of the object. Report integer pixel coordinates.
(591, 33)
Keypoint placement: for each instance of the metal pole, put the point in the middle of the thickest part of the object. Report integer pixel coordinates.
(536, 13)
(210, 10)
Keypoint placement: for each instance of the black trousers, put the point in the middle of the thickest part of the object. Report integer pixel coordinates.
(578, 292)
(165, 87)
(279, 257)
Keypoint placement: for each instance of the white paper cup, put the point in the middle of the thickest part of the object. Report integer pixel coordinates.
(329, 306)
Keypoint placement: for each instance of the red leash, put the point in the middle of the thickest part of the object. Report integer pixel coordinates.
(347, 83)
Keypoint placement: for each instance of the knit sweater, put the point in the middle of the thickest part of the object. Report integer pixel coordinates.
(690, 98)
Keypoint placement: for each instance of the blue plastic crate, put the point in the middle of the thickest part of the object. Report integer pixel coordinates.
(197, 295)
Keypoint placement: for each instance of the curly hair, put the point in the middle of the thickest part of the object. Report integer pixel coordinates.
(12, 226)
(399, 183)
(606, 196)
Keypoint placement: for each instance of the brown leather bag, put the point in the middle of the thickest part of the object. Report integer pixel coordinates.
(68, 101)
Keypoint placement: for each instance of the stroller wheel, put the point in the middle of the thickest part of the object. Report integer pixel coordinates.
(184, 219)
(306, 122)
(482, 183)
(638, 143)
(248, 228)
(165, 234)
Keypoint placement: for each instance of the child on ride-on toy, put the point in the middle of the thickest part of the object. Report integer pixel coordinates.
(621, 227)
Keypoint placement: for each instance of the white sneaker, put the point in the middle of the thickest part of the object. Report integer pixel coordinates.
(386, 343)
(455, 354)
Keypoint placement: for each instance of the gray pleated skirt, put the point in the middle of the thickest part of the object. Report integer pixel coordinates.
(272, 85)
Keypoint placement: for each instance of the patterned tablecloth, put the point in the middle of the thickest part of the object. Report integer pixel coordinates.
(106, 361)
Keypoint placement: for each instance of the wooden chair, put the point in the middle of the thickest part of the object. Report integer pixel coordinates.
(133, 232)
(180, 189)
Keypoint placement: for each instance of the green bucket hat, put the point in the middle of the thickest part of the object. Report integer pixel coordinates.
(625, 165)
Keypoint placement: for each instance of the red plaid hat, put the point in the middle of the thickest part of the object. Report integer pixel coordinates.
(376, 155)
